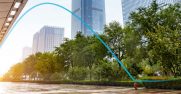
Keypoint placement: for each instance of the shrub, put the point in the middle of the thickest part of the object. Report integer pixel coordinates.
(56, 76)
(78, 73)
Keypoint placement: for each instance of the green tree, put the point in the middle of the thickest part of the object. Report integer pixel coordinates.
(64, 54)
(159, 31)
(92, 53)
(16, 72)
(47, 65)
(115, 35)
(29, 64)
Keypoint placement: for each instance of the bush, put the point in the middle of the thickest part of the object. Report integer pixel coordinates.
(108, 71)
(56, 76)
(170, 84)
(78, 73)
(155, 78)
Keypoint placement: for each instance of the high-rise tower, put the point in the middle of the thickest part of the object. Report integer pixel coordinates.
(47, 39)
(92, 12)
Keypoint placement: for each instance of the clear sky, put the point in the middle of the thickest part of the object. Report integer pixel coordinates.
(22, 35)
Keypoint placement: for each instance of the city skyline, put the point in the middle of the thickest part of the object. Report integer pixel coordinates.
(77, 45)
(22, 34)
(79, 10)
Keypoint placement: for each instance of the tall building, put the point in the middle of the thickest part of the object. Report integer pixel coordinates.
(27, 51)
(47, 39)
(128, 6)
(35, 43)
(92, 12)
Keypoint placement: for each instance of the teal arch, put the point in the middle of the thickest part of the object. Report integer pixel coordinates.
(87, 26)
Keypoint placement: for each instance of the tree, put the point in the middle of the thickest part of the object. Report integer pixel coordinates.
(159, 30)
(165, 49)
(29, 64)
(16, 72)
(47, 65)
(115, 35)
(92, 53)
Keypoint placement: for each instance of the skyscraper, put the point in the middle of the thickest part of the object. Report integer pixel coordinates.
(35, 43)
(129, 6)
(27, 51)
(92, 12)
(47, 39)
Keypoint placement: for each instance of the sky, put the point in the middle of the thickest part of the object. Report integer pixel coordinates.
(22, 34)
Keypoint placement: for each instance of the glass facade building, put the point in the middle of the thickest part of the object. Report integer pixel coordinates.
(27, 51)
(92, 12)
(47, 39)
(129, 6)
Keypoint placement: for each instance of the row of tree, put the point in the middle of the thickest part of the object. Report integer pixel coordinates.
(148, 45)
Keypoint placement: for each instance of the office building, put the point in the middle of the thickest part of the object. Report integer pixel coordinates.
(35, 43)
(92, 12)
(47, 39)
(27, 51)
